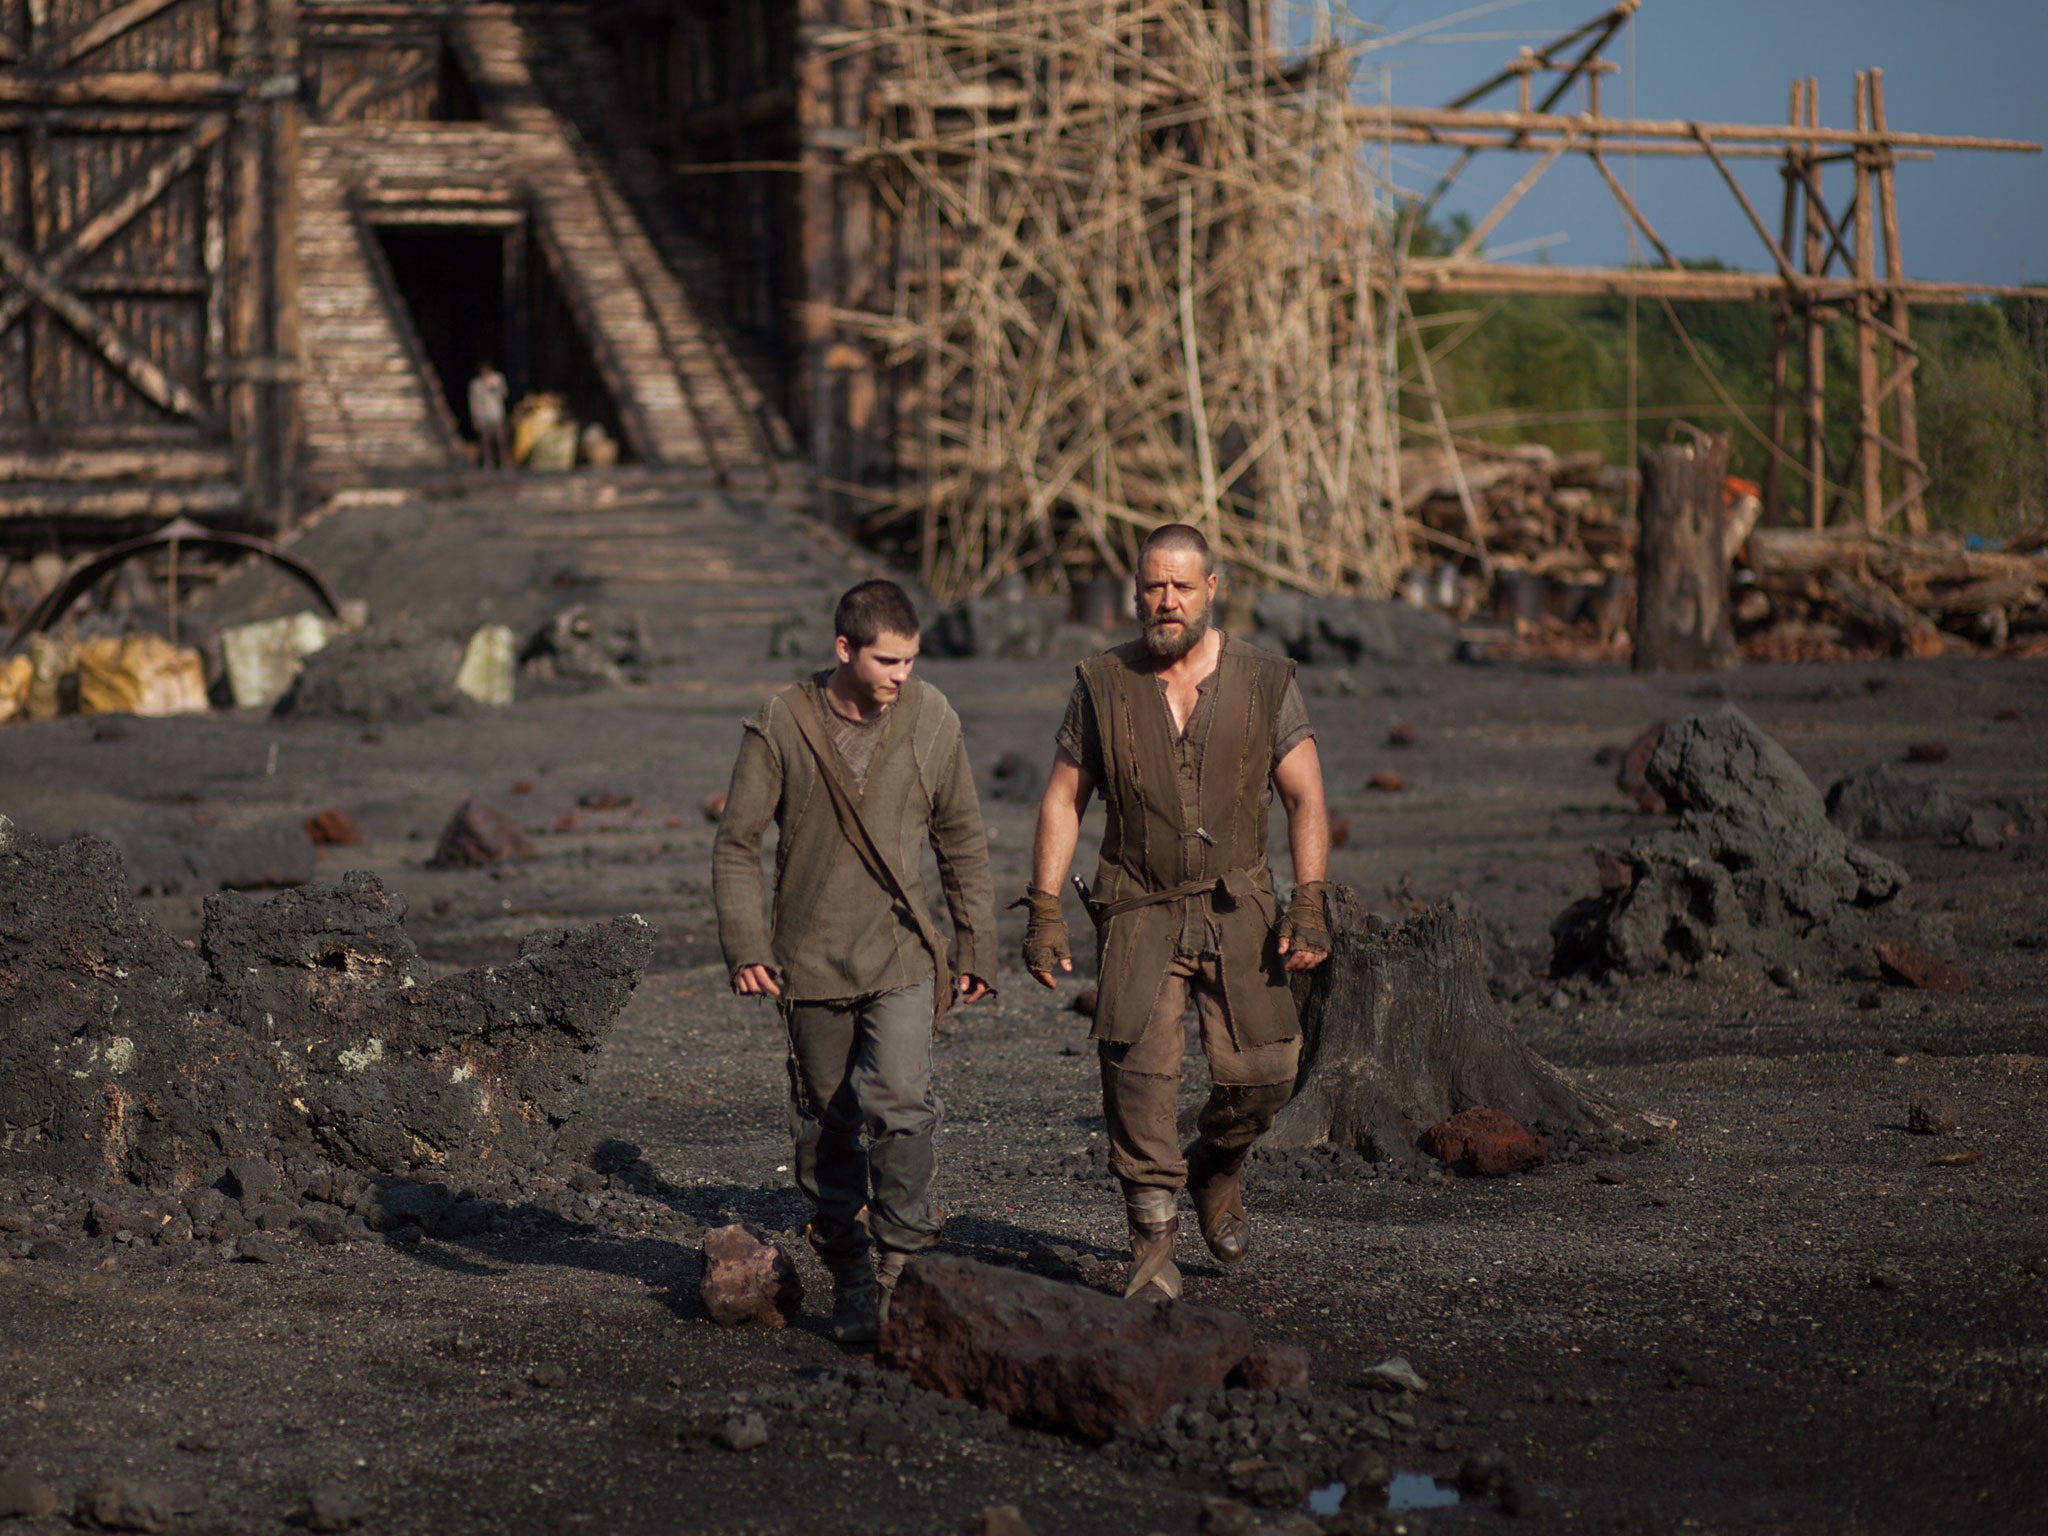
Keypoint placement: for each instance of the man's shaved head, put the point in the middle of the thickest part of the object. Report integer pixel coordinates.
(1178, 538)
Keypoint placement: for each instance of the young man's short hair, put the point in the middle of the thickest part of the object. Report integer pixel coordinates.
(871, 610)
(1178, 539)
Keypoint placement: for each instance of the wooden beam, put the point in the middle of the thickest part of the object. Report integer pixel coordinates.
(1436, 274)
(1869, 461)
(1367, 119)
(1501, 209)
(110, 25)
(1628, 206)
(1906, 403)
(196, 87)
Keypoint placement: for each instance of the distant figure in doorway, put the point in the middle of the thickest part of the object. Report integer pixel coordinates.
(487, 415)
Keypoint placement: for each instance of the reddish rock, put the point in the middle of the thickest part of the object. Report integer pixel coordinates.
(1955, 1160)
(1486, 1141)
(477, 835)
(1632, 780)
(747, 1280)
(1269, 1367)
(1002, 1520)
(1402, 734)
(522, 786)
(1340, 831)
(714, 806)
(23, 1498)
(1388, 780)
(333, 829)
(1927, 752)
(1060, 1357)
(1909, 965)
(2006, 715)
(1929, 1114)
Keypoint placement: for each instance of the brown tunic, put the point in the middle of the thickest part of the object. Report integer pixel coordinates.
(1176, 817)
(839, 932)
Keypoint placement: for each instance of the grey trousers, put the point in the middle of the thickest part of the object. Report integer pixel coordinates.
(1141, 1081)
(863, 1114)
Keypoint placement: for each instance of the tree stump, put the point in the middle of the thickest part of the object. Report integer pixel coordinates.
(1683, 622)
(1399, 1031)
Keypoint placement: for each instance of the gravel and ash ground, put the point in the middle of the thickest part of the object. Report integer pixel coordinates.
(1780, 1315)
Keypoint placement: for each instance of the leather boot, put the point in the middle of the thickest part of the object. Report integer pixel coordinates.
(856, 1310)
(1155, 1219)
(1216, 1185)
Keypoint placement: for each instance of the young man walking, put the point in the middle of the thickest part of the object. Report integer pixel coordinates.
(1184, 731)
(858, 769)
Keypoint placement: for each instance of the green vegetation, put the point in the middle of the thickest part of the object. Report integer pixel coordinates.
(1555, 370)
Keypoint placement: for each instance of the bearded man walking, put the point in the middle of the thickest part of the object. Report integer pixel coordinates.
(1187, 732)
(858, 769)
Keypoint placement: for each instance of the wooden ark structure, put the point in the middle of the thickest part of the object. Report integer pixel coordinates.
(148, 283)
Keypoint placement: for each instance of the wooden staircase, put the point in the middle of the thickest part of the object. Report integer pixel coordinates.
(683, 400)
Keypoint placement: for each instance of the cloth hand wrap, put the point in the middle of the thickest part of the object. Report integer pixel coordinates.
(1045, 934)
(1306, 922)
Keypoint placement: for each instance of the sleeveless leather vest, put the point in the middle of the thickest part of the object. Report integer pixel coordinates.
(1149, 846)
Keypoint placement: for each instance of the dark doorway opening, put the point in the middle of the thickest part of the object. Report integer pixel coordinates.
(479, 293)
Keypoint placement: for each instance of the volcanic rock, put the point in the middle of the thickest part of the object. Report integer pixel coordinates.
(1348, 630)
(125, 1504)
(174, 857)
(22, 1497)
(1002, 1520)
(1050, 1355)
(1270, 1367)
(1486, 1142)
(302, 1021)
(744, 1432)
(1909, 965)
(747, 1280)
(1629, 778)
(477, 835)
(332, 829)
(1395, 1374)
(1884, 804)
(336, 1507)
(378, 675)
(1753, 871)
(1928, 1114)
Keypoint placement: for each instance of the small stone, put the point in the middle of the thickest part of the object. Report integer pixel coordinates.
(1909, 965)
(1783, 976)
(23, 1498)
(748, 1280)
(1387, 781)
(1394, 1374)
(1272, 1368)
(1487, 1142)
(1927, 752)
(333, 829)
(1002, 1520)
(1609, 1176)
(1519, 1498)
(123, 1504)
(261, 1248)
(255, 1180)
(1401, 734)
(743, 1432)
(1986, 830)
(1886, 1279)
(1483, 1472)
(1227, 1517)
(713, 806)
(1085, 1001)
(478, 835)
(548, 1374)
(336, 1507)
(1340, 830)
(1929, 1115)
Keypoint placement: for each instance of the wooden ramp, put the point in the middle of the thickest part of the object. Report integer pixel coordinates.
(682, 401)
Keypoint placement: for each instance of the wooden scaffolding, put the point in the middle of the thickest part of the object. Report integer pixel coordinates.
(148, 282)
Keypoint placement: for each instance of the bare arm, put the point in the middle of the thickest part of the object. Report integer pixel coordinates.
(1067, 791)
(1299, 779)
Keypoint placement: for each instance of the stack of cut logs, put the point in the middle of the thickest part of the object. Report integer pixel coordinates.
(1820, 593)
(1562, 553)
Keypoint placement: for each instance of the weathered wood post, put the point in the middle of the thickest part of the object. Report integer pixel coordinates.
(1682, 617)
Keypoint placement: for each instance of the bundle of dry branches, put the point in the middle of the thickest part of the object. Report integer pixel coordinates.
(1133, 284)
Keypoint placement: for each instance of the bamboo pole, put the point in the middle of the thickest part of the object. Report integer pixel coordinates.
(1869, 454)
(1912, 471)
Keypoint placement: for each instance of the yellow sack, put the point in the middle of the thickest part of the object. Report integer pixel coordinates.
(53, 685)
(139, 675)
(532, 419)
(16, 673)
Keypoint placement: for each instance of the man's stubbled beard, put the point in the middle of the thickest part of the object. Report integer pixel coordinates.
(1166, 644)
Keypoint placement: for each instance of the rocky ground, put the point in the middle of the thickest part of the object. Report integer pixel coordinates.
(1781, 1315)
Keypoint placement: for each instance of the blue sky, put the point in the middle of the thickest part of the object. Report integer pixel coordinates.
(1950, 66)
